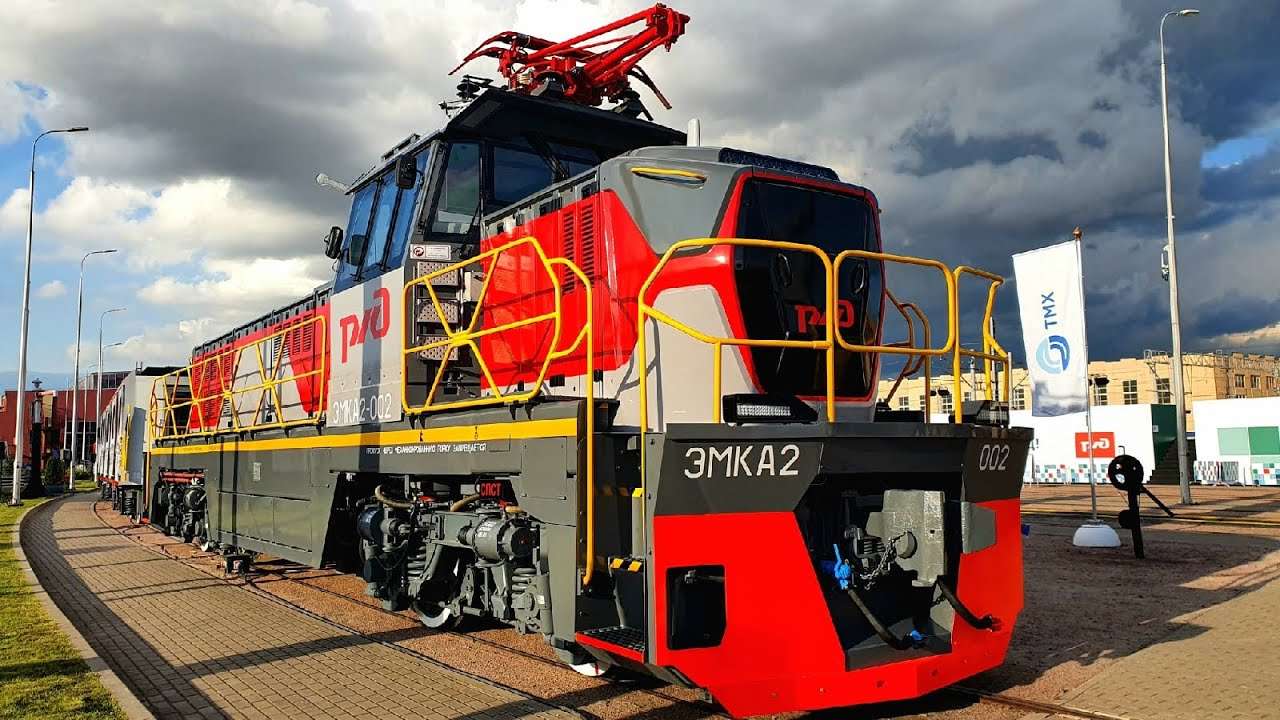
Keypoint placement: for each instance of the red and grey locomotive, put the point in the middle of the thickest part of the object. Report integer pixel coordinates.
(581, 377)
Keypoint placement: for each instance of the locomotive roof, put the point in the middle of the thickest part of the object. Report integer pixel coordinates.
(733, 156)
(500, 114)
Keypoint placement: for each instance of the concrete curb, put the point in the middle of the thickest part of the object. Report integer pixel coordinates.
(124, 697)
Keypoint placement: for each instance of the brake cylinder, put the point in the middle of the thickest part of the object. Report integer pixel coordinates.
(497, 538)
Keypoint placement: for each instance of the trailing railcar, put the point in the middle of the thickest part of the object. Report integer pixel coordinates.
(578, 376)
(121, 441)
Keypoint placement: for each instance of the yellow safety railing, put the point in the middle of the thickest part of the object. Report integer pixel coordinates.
(923, 355)
(831, 339)
(991, 353)
(645, 312)
(213, 381)
(467, 337)
(917, 363)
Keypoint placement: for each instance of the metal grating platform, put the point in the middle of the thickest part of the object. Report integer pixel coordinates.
(623, 637)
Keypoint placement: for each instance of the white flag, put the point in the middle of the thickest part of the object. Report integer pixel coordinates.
(1053, 329)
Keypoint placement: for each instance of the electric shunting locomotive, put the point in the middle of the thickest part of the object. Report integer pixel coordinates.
(582, 376)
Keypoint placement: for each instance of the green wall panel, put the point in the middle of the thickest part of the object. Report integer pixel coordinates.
(1233, 441)
(1264, 440)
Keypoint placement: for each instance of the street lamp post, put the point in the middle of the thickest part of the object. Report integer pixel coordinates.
(97, 416)
(1175, 320)
(75, 391)
(83, 430)
(20, 411)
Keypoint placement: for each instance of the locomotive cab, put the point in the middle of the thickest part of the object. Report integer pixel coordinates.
(495, 151)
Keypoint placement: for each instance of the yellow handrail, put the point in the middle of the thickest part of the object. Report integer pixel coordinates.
(906, 260)
(991, 353)
(914, 365)
(456, 338)
(273, 374)
(466, 337)
(646, 311)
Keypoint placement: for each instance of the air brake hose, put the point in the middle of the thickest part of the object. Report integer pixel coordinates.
(986, 622)
(888, 637)
(390, 502)
(458, 505)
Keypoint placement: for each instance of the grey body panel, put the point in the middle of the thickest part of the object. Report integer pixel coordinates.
(279, 501)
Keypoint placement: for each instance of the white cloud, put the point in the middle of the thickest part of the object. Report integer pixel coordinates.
(15, 106)
(247, 286)
(156, 228)
(1266, 339)
(167, 343)
(52, 289)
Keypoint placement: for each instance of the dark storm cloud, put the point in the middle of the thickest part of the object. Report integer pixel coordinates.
(985, 128)
(938, 151)
(1224, 57)
(1236, 312)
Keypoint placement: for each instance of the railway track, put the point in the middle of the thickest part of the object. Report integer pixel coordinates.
(199, 561)
(1049, 709)
(699, 708)
(254, 582)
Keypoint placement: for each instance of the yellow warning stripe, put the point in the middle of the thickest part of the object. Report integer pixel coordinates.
(626, 565)
(524, 430)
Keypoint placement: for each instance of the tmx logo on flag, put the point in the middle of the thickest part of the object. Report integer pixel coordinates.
(1051, 308)
(1053, 355)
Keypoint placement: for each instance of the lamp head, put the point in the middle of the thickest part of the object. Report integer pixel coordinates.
(1188, 12)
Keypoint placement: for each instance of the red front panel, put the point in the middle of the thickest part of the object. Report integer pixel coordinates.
(780, 651)
(600, 237)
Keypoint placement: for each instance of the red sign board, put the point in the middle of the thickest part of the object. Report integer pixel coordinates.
(1104, 445)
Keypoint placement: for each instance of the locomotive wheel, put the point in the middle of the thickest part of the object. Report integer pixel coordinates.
(436, 617)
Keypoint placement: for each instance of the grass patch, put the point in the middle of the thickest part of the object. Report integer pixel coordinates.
(41, 675)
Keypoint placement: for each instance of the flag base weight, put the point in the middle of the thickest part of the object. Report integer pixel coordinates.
(1096, 535)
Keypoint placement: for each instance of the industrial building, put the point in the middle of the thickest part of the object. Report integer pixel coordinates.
(1128, 381)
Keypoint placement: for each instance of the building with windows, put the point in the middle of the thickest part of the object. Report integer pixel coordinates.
(1128, 381)
(50, 429)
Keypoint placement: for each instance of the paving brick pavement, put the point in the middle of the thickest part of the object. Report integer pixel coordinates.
(190, 646)
(1219, 665)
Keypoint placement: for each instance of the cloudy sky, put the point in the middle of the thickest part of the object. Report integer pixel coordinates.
(985, 128)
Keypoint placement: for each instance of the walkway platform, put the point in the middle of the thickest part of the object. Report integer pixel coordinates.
(1217, 665)
(190, 646)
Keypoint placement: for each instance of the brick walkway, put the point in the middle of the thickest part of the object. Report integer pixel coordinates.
(1219, 665)
(190, 646)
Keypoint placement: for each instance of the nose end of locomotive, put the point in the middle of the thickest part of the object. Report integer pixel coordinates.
(857, 563)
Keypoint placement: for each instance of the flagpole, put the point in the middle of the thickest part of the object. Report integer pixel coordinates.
(1078, 235)
(1093, 533)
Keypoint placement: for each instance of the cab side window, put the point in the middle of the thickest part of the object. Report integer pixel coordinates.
(459, 191)
(384, 210)
(406, 210)
(357, 235)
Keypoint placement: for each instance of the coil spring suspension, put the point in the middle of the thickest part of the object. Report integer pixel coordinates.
(521, 578)
(415, 562)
